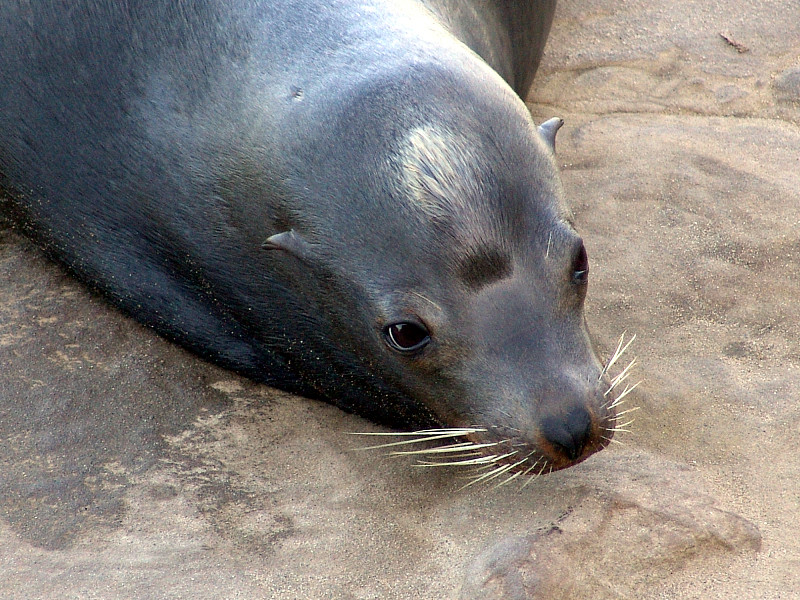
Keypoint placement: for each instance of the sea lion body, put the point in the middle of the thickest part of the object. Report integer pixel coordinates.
(303, 191)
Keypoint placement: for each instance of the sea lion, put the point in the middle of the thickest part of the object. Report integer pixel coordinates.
(345, 200)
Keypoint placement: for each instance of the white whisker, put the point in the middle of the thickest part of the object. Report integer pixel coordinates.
(621, 428)
(617, 353)
(447, 449)
(508, 480)
(490, 475)
(532, 467)
(483, 460)
(452, 431)
(532, 477)
(427, 435)
(487, 459)
(479, 478)
(625, 412)
(619, 399)
(622, 376)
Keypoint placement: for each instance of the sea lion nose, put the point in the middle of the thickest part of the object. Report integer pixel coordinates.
(568, 433)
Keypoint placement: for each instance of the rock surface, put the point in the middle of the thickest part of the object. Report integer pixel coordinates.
(131, 469)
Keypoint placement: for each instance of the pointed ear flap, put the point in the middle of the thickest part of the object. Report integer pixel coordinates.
(291, 242)
(548, 131)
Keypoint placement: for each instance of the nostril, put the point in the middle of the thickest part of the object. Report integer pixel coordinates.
(569, 433)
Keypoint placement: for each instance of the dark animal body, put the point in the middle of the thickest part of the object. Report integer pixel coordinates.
(347, 200)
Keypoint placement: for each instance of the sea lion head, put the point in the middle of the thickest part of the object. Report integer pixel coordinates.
(456, 280)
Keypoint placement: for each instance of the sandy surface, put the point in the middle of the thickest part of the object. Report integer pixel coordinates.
(131, 469)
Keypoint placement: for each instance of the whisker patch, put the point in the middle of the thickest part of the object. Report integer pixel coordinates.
(423, 435)
(493, 462)
(490, 475)
(622, 346)
(461, 447)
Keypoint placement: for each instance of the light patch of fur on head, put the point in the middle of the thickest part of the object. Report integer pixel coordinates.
(447, 180)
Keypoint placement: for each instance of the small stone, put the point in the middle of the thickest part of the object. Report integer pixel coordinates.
(729, 93)
(787, 85)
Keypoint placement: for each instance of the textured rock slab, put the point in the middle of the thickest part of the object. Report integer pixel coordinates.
(635, 522)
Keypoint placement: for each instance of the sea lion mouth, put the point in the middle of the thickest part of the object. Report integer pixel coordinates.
(495, 455)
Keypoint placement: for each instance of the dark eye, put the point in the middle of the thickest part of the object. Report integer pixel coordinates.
(580, 266)
(406, 337)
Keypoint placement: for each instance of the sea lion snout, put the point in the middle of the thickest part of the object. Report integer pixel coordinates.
(570, 434)
(562, 422)
(576, 431)
(534, 375)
